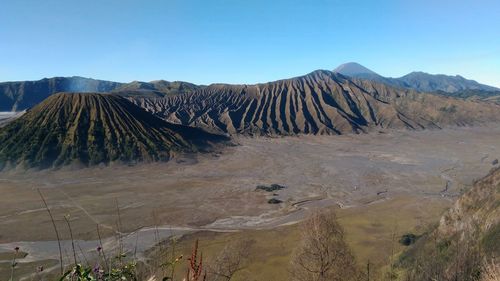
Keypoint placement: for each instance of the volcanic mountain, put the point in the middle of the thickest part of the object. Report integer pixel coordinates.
(321, 102)
(354, 69)
(88, 129)
(21, 95)
(417, 80)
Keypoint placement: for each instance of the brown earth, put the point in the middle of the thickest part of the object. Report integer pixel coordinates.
(376, 180)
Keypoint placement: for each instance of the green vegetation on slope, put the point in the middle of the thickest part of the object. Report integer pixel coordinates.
(467, 236)
(155, 89)
(93, 128)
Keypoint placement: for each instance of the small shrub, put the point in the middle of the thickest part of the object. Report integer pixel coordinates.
(490, 241)
(450, 109)
(408, 239)
(271, 188)
(274, 201)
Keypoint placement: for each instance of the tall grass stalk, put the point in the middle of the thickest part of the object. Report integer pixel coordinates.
(102, 248)
(55, 230)
(66, 218)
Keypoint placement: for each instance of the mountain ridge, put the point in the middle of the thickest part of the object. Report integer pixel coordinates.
(418, 80)
(21, 95)
(321, 102)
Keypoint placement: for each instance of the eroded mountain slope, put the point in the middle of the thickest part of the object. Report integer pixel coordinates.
(90, 129)
(321, 102)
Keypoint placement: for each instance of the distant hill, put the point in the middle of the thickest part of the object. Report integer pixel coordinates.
(473, 95)
(89, 129)
(322, 102)
(495, 99)
(420, 81)
(438, 82)
(159, 88)
(17, 96)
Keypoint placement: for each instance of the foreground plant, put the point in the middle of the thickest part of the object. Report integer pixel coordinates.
(491, 270)
(121, 271)
(13, 263)
(86, 273)
(230, 261)
(323, 254)
(195, 269)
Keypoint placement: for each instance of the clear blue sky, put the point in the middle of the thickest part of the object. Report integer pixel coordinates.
(246, 41)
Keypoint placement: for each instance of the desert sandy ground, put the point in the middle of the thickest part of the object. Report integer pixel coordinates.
(216, 191)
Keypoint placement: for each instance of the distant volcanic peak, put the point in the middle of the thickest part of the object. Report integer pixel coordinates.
(417, 80)
(89, 129)
(353, 69)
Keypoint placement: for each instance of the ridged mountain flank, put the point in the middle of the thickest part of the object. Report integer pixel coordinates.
(322, 102)
(88, 129)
